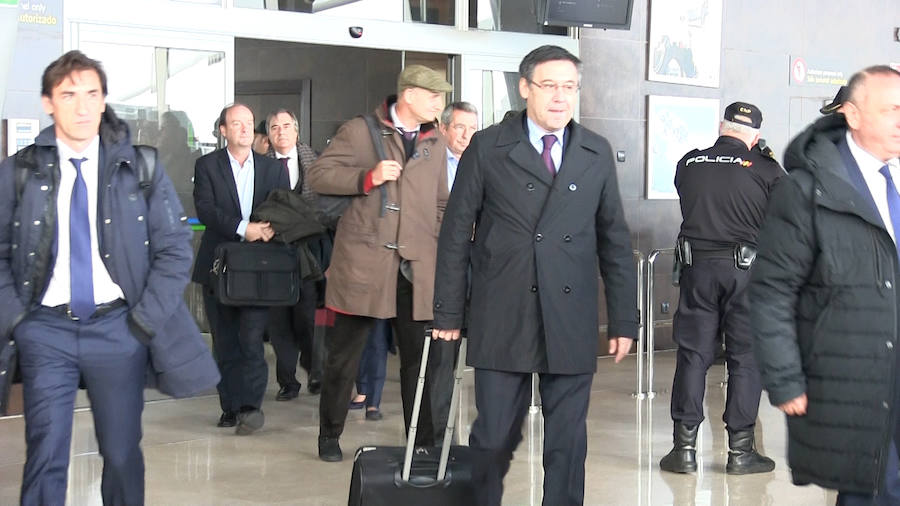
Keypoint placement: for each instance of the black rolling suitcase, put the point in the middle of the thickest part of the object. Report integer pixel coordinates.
(399, 476)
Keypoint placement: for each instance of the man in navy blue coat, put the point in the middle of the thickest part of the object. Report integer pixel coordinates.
(92, 271)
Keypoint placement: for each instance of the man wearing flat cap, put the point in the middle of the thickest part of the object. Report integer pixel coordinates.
(385, 246)
(724, 190)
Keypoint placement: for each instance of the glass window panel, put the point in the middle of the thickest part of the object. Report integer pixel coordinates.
(510, 16)
(499, 94)
(487, 15)
(156, 92)
(436, 12)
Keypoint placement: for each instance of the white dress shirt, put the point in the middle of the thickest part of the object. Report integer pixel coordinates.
(400, 126)
(293, 165)
(536, 134)
(870, 167)
(452, 165)
(59, 291)
(243, 179)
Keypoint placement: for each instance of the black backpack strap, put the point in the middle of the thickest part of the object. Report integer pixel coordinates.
(145, 158)
(25, 163)
(375, 133)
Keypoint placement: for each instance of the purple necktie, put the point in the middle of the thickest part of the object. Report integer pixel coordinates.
(549, 141)
(80, 269)
(284, 163)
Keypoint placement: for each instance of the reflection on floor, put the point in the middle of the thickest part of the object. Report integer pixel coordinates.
(191, 462)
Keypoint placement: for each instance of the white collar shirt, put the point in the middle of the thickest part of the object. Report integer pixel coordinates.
(293, 165)
(243, 180)
(870, 166)
(59, 290)
(452, 165)
(535, 136)
(398, 125)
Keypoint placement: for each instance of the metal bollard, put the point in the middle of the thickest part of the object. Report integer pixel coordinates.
(639, 393)
(651, 259)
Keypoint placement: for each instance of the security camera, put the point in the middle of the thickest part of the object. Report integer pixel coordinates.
(356, 31)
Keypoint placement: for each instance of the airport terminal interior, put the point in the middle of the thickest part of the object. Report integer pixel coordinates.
(648, 80)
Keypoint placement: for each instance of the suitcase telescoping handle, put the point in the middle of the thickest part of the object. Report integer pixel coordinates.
(417, 405)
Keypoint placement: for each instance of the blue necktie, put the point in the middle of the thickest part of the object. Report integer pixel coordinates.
(893, 200)
(80, 268)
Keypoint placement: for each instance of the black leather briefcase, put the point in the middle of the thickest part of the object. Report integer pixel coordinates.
(256, 274)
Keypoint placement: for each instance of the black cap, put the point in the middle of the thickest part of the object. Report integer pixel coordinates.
(261, 128)
(744, 114)
(839, 99)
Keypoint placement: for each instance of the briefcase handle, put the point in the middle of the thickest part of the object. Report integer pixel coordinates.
(417, 404)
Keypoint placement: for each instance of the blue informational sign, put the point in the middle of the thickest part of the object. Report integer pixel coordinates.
(9, 21)
(39, 41)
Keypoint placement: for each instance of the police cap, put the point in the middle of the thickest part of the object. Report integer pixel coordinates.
(836, 103)
(744, 114)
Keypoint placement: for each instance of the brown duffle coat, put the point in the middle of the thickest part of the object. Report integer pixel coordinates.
(371, 238)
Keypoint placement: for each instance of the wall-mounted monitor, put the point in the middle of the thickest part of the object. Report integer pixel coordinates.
(611, 14)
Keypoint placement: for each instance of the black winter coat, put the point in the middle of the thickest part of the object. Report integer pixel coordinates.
(540, 244)
(144, 243)
(824, 312)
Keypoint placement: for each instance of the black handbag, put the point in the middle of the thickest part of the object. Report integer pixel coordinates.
(256, 274)
(8, 363)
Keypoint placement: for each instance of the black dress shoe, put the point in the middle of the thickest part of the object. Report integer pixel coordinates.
(228, 419)
(373, 415)
(249, 421)
(330, 449)
(314, 387)
(287, 393)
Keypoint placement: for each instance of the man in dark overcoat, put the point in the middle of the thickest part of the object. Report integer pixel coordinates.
(823, 295)
(542, 194)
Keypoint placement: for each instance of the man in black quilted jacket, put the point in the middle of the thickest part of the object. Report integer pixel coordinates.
(823, 295)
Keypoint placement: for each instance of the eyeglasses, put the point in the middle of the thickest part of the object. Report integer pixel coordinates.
(567, 88)
(460, 128)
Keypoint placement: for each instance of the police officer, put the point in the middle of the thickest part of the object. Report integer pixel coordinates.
(723, 192)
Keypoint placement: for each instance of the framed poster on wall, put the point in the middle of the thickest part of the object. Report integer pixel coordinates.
(676, 125)
(685, 42)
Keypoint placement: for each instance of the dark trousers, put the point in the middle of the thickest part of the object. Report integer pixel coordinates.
(291, 332)
(441, 375)
(890, 495)
(373, 365)
(714, 301)
(237, 334)
(502, 400)
(345, 342)
(54, 352)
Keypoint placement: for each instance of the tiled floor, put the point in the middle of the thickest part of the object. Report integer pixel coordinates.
(191, 462)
